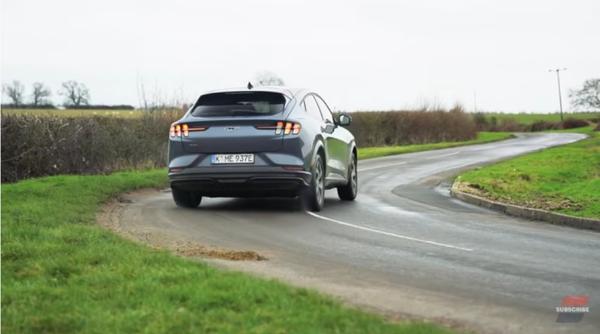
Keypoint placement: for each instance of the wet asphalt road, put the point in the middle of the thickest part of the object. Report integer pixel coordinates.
(404, 247)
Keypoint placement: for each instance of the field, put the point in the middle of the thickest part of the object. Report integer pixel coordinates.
(526, 118)
(62, 273)
(564, 179)
(77, 112)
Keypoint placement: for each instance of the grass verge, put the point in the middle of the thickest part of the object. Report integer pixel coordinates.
(563, 179)
(482, 137)
(62, 273)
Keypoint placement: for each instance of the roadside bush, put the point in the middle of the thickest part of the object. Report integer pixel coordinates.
(411, 127)
(543, 126)
(572, 123)
(481, 121)
(35, 146)
(509, 125)
(27, 106)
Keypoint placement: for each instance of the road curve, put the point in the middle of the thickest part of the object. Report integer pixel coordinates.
(404, 247)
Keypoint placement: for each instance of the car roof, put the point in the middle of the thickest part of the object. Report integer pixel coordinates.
(288, 91)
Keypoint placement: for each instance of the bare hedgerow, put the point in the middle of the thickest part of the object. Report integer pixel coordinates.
(35, 146)
(411, 127)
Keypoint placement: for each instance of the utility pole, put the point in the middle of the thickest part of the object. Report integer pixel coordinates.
(559, 93)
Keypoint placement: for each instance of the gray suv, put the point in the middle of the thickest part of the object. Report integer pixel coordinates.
(261, 142)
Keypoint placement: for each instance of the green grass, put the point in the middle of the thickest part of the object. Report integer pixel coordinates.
(62, 273)
(482, 137)
(525, 118)
(563, 179)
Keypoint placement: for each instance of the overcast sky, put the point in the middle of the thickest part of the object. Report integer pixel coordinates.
(357, 54)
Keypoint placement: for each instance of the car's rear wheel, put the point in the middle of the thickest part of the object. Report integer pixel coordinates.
(348, 191)
(314, 196)
(186, 199)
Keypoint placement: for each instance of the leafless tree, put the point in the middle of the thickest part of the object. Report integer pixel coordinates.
(267, 78)
(14, 91)
(155, 99)
(40, 94)
(76, 94)
(587, 97)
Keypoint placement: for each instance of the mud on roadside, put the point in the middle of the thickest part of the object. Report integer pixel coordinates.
(110, 215)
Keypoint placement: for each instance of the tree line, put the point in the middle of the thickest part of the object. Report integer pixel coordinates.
(76, 95)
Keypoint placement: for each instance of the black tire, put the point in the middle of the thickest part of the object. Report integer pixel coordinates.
(314, 195)
(186, 199)
(349, 191)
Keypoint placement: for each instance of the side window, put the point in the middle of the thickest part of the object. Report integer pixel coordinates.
(327, 115)
(312, 108)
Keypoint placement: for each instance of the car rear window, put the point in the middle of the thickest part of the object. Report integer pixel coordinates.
(239, 104)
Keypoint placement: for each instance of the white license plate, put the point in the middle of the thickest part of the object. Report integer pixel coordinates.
(232, 158)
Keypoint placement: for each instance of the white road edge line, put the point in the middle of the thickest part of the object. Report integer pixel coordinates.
(390, 234)
(382, 166)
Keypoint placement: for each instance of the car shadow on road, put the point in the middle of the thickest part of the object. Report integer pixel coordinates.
(268, 204)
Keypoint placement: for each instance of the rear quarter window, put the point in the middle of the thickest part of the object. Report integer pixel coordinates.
(239, 104)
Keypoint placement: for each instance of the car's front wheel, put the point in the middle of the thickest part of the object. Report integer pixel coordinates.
(348, 191)
(314, 195)
(186, 199)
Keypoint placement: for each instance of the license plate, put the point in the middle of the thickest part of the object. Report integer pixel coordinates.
(232, 159)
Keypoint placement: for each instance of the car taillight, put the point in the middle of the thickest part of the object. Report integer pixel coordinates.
(283, 127)
(279, 128)
(183, 130)
(296, 128)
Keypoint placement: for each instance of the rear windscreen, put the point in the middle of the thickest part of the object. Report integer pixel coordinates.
(239, 104)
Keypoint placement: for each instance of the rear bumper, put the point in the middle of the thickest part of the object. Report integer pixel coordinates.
(241, 182)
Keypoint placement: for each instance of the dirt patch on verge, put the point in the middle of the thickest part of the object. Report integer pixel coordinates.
(110, 216)
(190, 249)
(543, 203)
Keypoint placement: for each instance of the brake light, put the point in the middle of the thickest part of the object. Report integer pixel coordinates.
(296, 128)
(183, 130)
(282, 127)
(288, 128)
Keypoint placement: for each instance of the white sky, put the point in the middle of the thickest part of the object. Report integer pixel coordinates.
(357, 54)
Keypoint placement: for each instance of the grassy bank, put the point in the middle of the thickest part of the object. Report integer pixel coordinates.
(62, 273)
(564, 179)
(482, 137)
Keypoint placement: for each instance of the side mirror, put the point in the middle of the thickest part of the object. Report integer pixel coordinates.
(344, 119)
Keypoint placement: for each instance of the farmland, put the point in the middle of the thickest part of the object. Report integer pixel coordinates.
(119, 113)
(529, 118)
